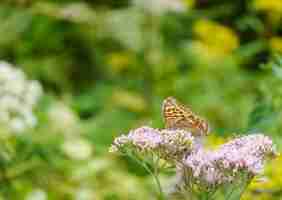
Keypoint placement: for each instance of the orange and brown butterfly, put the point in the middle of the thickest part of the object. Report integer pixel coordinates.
(179, 116)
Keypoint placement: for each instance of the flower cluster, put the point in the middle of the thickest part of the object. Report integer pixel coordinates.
(170, 145)
(243, 155)
(161, 6)
(18, 96)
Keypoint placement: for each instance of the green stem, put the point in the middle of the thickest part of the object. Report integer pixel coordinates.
(161, 193)
(245, 186)
(156, 177)
(212, 196)
(243, 190)
(153, 174)
(230, 194)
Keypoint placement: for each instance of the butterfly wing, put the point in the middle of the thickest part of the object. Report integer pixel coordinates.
(178, 116)
(175, 115)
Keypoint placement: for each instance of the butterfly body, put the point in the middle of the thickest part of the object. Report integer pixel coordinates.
(179, 116)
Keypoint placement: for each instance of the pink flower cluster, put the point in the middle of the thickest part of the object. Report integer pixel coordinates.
(207, 170)
(144, 139)
(243, 155)
(170, 145)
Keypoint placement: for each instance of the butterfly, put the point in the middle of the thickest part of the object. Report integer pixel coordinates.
(179, 116)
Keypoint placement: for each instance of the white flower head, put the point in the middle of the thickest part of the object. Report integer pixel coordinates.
(18, 97)
(159, 7)
(37, 194)
(77, 149)
(84, 194)
(63, 119)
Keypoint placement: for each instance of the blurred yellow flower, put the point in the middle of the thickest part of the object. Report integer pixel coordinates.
(268, 5)
(276, 44)
(214, 39)
(205, 51)
(265, 189)
(214, 141)
(273, 9)
(119, 61)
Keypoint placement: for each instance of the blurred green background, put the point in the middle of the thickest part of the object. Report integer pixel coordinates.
(106, 66)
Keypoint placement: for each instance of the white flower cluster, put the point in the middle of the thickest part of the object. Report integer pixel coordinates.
(77, 149)
(63, 119)
(18, 96)
(36, 194)
(160, 6)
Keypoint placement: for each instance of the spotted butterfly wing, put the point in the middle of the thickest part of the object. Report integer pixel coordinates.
(179, 116)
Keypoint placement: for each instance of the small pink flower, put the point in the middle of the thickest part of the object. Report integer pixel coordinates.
(245, 154)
